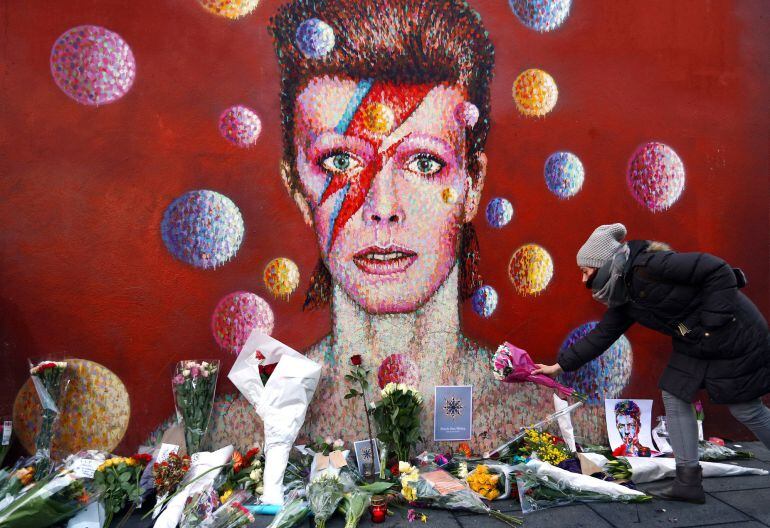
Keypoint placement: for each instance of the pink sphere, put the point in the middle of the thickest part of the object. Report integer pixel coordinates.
(240, 126)
(92, 65)
(656, 176)
(236, 315)
(397, 368)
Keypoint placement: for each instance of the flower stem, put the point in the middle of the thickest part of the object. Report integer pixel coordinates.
(369, 427)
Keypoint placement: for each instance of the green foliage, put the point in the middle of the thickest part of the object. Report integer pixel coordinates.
(397, 416)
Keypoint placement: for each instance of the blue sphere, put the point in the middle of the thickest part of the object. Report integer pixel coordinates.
(603, 377)
(484, 301)
(202, 228)
(564, 174)
(315, 38)
(541, 15)
(499, 212)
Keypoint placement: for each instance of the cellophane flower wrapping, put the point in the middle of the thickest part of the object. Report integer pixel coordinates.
(438, 488)
(21, 475)
(541, 485)
(512, 364)
(233, 512)
(712, 452)
(644, 469)
(48, 502)
(354, 505)
(194, 384)
(204, 469)
(292, 514)
(324, 493)
(282, 402)
(199, 507)
(51, 381)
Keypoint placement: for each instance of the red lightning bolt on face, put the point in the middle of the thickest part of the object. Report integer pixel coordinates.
(374, 111)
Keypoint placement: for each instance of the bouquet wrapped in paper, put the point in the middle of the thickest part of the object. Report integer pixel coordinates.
(48, 502)
(643, 469)
(204, 468)
(712, 452)
(50, 380)
(542, 485)
(512, 364)
(194, 384)
(438, 488)
(282, 402)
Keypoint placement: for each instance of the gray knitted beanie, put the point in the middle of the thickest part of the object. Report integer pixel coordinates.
(601, 245)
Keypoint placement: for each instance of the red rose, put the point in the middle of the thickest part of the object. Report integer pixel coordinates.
(394, 469)
(142, 458)
(267, 370)
(356, 360)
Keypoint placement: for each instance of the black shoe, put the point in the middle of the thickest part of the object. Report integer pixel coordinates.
(687, 486)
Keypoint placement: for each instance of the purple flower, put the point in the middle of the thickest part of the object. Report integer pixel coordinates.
(178, 379)
(195, 372)
(440, 460)
(411, 515)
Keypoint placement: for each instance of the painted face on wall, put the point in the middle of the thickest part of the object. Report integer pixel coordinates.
(627, 427)
(383, 172)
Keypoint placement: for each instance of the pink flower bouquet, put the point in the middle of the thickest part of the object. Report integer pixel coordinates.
(512, 364)
(194, 384)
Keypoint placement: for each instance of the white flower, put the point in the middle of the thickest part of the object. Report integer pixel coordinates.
(189, 364)
(328, 440)
(205, 373)
(256, 475)
(338, 443)
(205, 364)
(462, 472)
(402, 387)
(404, 467)
(372, 405)
(186, 372)
(259, 489)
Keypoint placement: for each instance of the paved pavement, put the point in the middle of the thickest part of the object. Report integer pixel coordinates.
(740, 502)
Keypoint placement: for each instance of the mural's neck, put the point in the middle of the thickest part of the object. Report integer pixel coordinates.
(431, 331)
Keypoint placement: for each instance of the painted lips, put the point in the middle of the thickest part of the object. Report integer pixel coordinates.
(384, 261)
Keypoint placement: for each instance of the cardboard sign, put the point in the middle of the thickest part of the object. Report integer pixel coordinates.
(453, 413)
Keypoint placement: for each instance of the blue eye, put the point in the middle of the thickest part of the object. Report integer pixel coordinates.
(340, 162)
(425, 164)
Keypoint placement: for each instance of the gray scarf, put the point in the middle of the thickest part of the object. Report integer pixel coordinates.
(608, 285)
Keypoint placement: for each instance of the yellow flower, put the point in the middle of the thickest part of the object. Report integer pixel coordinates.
(225, 495)
(408, 492)
(404, 467)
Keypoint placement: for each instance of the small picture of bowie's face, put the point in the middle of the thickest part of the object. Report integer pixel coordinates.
(382, 168)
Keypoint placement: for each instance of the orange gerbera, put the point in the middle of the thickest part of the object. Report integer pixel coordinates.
(237, 461)
(465, 449)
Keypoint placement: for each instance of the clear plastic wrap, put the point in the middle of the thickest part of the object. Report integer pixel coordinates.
(51, 381)
(324, 494)
(194, 384)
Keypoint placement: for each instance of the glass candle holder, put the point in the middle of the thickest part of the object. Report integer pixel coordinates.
(379, 509)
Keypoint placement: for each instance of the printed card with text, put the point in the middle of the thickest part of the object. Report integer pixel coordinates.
(365, 456)
(453, 413)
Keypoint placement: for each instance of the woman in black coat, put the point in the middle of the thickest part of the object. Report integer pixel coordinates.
(720, 340)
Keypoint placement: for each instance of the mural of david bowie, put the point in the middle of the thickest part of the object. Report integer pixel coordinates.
(384, 157)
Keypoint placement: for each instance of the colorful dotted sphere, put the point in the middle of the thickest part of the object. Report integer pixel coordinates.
(449, 195)
(499, 212)
(315, 38)
(467, 113)
(202, 228)
(535, 93)
(231, 9)
(240, 126)
(379, 118)
(564, 174)
(530, 269)
(541, 15)
(604, 377)
(656, 176)
(397, 368)
(281, 277)
(92, 65)
(236, 315)
(484, 301)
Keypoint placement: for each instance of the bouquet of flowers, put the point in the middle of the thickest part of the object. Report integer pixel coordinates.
(512, 364)
(324, 493)
(491, 481)
(642, 469)
(293, 512)
(50, 380)
(353, 506)
(548, 447)
(47, 503)
(168, 474)
(198, 507)
(438, 488)
(232, 513)
(542, 485)
(117, 481)
(714, 452)
(194, 385)
(397, 416)
(23, 475)
(245, 472)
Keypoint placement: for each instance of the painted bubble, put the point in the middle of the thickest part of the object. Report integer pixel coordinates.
(530, 269)
(535, 93)
(236, 316)
(484, 301)
(603, 377)
(92, 65)
(499, 212)
(564, 174)
(541, 15)
(315, 38)
(202, 228)
(281, 277)
(240, 125)
(231, 9)
(397, 368)
(655, 176)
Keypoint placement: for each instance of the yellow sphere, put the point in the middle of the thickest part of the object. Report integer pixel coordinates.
(379, 118)
(230, 8)
(281, 277)
(535, 92)
(530, 269)
(449, 195)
